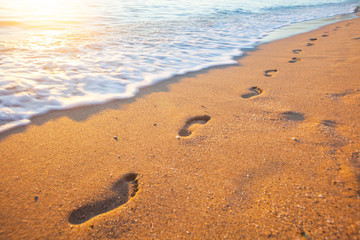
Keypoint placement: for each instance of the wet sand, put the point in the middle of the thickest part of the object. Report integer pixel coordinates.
(266, 149)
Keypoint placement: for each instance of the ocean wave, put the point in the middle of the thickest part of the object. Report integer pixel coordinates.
(310, 6)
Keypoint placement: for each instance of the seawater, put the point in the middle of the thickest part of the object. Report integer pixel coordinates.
(67, 53)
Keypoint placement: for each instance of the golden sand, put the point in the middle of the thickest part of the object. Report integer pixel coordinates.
(268, 148)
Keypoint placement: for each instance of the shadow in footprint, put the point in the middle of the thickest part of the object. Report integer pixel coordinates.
(328, 123)
(313, 39)
(336, 96)
(255, 91)
(186, 130)
(310, 44)
(125, 188)
(355, 160)
(297, 51)
(270, 73)
(293, 116)
(325, 35)
(294, 60)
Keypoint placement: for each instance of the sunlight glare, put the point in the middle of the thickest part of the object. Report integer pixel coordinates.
(43, 10)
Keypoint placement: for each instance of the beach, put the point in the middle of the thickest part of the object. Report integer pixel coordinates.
(266, 148)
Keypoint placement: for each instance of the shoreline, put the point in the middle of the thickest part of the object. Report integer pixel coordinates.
(306, 26)
(265, 148)
(277, 34)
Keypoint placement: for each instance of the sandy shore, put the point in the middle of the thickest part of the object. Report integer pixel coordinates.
(235, 152)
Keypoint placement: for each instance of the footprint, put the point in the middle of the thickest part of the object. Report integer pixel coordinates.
(254, 92)
(349, 97)
(292, 116)
(270, 73)
(294, 60)
(125, 189)
(328, 123)
(355, 160)
(336, 96)
(313, 39)
(191, 123)
(310, 44)
(325, 35)
(297, 51)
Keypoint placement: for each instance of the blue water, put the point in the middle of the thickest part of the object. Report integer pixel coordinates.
(61, 54)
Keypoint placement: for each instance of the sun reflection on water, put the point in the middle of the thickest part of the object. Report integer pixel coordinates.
(39, 13)
(43, 25)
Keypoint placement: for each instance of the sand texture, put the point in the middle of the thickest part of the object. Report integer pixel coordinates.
(269, 148)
